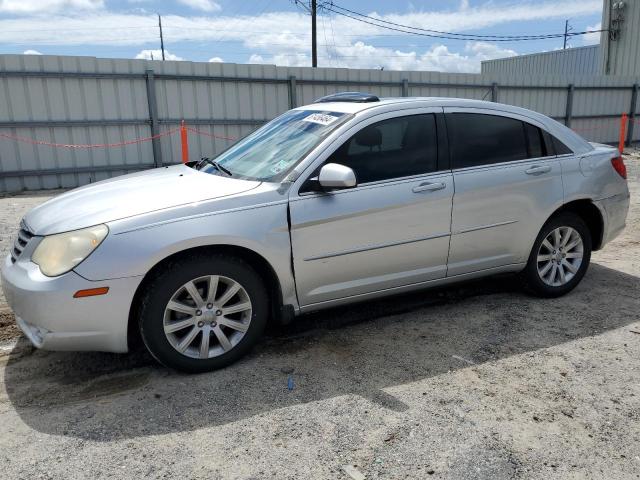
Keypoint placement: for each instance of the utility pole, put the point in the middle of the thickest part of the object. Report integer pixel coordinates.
(161, 38)
(566, 31)
(314, 46)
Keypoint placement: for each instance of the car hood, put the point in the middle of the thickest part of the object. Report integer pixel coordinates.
(130, 195)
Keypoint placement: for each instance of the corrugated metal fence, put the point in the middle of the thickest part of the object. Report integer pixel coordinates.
(578, 61)
(84, 100)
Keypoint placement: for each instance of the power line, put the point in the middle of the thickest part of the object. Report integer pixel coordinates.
(299, 34)
(324, 31)
(252, 45)
(466, 36)
(543, 35)
(408, 29)
(299, 3)
(331, 6)
(333, 38)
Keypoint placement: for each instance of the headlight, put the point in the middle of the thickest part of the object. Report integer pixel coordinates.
(57, 254)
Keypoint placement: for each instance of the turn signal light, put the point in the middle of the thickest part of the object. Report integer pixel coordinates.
(91, 292)
(619, 166)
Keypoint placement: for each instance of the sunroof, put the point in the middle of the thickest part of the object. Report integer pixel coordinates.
(354, 97)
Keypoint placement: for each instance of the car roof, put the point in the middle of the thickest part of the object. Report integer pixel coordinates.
(401, 102)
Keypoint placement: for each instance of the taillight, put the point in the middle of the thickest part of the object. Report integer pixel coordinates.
(619, 166)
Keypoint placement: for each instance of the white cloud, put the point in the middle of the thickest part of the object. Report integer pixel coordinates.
(157, 55)
(136, 29)
(216, 60)
(204, 5)
(592, 38)
(361, 55)
(31, 52)
(486, 15)
(489, 51)
(268, 42)
(47, 6)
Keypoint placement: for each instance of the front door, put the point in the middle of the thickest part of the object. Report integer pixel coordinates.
(391, 230)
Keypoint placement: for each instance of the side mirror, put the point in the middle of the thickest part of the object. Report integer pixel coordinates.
(334, 175)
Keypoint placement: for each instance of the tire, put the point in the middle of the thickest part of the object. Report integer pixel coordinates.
(187, 333)
(538, 276)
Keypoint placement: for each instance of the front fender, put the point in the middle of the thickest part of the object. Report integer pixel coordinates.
(133, 252)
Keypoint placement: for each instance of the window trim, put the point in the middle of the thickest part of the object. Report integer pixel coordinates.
(442, 133)
(337, 142)
(368, 185)
(509, 164)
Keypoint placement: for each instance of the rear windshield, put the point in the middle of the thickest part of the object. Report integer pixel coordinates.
(270, 152)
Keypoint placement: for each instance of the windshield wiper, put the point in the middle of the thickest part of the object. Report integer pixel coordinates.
(216, 165)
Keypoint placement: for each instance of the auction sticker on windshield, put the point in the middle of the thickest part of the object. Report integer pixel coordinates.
(320, 118)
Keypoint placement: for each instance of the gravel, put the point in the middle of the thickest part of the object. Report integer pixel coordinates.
(471, 381)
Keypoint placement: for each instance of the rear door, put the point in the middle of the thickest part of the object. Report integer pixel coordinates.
(506, 186)
(392, 229)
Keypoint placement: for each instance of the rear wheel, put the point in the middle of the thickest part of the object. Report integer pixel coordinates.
(560, 256)
(203, 313)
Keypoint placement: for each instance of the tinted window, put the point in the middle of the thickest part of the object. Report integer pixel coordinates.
(561, 148)
(393, 148)
(535, 143)
(477, 139)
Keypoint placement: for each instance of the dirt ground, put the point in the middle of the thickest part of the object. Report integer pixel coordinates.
(473, 381)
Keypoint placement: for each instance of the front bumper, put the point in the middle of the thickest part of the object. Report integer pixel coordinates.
(53, 320)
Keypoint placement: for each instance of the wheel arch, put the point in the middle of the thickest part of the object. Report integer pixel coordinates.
(257, 261)
(590, 214)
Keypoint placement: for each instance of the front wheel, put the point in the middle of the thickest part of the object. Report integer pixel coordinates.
(203, 312)
(560, 256)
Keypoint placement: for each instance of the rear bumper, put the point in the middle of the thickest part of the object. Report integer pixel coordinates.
(52, 319)
(614, 211)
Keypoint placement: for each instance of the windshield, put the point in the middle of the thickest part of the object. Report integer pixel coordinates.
(273, 150)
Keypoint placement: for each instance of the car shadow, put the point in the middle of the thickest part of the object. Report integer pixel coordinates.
(357, 350)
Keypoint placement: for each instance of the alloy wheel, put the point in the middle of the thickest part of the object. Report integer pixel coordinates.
(560, 256)
(207, 316)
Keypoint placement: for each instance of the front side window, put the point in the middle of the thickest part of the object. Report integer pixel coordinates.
(270, 152)
(477, 139)
(393, 148)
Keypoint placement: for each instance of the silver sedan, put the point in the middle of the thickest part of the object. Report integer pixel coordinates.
(350, 198)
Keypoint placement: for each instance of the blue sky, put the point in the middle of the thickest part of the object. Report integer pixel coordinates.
(278, 31)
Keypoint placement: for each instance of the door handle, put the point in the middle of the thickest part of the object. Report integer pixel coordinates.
(428, 187)
(538, 169)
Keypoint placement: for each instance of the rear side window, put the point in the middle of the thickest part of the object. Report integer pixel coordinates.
(393, 148)
(477, 139)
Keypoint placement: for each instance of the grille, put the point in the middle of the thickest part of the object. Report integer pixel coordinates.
(21, 242)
